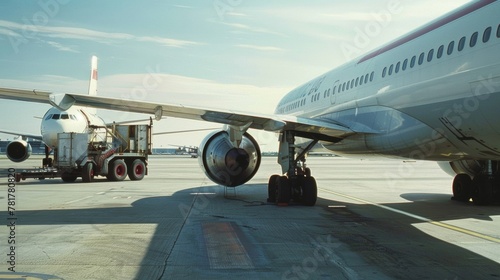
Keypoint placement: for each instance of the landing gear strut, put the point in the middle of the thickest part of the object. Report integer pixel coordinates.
(47, 161)
(296, 184)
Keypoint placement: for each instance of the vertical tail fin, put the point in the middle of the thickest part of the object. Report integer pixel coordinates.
(93, 77)
(93, 83)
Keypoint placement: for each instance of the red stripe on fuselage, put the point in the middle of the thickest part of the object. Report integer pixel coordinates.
(460, 13)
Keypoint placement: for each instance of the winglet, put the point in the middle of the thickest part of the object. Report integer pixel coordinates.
(93, 77)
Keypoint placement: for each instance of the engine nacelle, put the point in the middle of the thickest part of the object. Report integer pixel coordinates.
(469, 167)
(225, 164)
(18, 151)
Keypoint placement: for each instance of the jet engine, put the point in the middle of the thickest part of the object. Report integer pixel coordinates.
(226, 164)
(18, 151)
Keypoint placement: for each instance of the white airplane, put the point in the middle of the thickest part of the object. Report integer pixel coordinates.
(431, 94)
(75, 119)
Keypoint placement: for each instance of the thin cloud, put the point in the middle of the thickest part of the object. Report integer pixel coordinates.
(168, 42)
(28, 31)
(260, 48)
(61, 47)
(182, 6)
(244, 27)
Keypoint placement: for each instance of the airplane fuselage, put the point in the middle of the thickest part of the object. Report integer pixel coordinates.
(431, 94)
(75, 119)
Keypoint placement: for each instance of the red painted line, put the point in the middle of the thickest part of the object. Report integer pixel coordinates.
(433, 26)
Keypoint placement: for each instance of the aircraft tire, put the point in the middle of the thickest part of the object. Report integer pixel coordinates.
(272, 188)
(117, 170)
(68, 177)
(88, 172)
(137, 170)
(462, 187)
(482, 190)
(309, 191)
(283, 193)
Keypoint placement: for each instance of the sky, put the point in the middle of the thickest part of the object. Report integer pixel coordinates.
(238, 54)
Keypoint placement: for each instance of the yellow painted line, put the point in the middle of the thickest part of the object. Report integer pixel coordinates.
(423, 219)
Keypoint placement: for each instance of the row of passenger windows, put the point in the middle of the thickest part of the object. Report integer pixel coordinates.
(359, 81)
(429, 56)
(60, 116)
(400, 66)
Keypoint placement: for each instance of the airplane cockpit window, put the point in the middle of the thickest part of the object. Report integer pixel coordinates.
(48, 117)
(64, 117)
(73, 117)
(55, 116)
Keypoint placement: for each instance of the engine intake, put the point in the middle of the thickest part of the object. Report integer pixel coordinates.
(225, 164)
(18, 151)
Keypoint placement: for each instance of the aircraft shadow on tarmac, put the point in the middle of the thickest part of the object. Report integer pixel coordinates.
(381, 238)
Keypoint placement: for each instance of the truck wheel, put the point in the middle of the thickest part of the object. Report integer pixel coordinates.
(117, 170)
(137, 170)
(68, 177)
(88, 172)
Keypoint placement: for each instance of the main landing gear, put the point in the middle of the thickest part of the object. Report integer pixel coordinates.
(483, 189)
(296, 184)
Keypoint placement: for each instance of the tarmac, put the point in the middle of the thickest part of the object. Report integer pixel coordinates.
(374, 219)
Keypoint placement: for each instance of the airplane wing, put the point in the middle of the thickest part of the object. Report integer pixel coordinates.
(22, 134)
(305, 127)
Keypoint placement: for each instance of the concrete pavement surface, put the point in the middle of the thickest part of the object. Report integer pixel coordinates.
(374, 219)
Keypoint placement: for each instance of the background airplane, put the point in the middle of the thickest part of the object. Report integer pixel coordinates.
(428, 95)
(76, 119)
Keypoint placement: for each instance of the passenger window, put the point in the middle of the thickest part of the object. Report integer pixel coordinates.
(357, 81)
(372, 76)
(450, 47)
(440, 52)
(390, 69)
(473, 39)
(461, 44)
(398, 65)
(361, 81)
(384, 72)
(430, 55)
(48, 117)
(498, 31)
(412, 63)
(343, 86)
(421, 58)
(405, 64)
(486, 35)
(366, 78)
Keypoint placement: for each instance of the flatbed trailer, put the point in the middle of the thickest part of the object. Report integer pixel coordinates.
(114, 151)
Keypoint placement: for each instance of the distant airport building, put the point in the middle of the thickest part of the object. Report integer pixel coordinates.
(165, 151)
